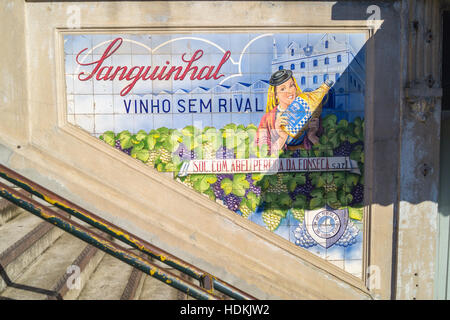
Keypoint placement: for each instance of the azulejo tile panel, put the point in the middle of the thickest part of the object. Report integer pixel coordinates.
(270, 125)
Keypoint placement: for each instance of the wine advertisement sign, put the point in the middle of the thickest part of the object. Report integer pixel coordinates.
(269, 125)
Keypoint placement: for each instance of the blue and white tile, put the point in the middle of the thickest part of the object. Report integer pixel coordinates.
(104, 122)
(182, 120)
(143, 122)
(85, 121)
(103, 104)
(83, 104)
(123, 122)
(163, 120)
(83, 87)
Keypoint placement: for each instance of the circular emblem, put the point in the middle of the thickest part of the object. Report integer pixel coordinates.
(326, 224)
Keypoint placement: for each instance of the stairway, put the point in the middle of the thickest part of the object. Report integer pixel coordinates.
(40, 261)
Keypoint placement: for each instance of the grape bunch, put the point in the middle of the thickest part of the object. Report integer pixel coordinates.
(330, 187)
(184, 153)
(358, 194)
(343, 150)
(252, 187)
(153, 155)
(246, 211)
(217, 189)
(255, 189)
(298, 214)
(165, 155)
(208, 151)
(188, 182)
(304, 189)
(271, 219)
(220, 177)
(303, 239)
(224, 153)
(349, 236)
(296, 154)
(118, 146)
(232, 201)
(279, 187)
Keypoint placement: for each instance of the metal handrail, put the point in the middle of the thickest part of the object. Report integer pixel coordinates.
(209, 282)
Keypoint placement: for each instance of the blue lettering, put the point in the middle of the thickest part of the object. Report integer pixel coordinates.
(248, 105)
(127, 107)
(157, 106)
(181, 106)
(257, 110)
(192, 104)
(222, 103)
(203, 106)
(239, 106)
(164, 103)
(145, 106)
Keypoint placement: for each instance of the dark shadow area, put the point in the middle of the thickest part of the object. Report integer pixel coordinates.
(24, 287)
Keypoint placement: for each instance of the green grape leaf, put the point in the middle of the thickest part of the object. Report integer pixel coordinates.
(171, 167)
(139, 146)
(163, 130)
(343, 123)
(339, 178)
(300, 178)
(331, 197)
(271, 197)
(227, 185)
(141, 135)
(329, 121)
(285, 200)
(316, 203)
(210, 194)
(252, 201)
(323, 139)
(109, 138)
(123, 134)
(125, 142)
(150, 141)
(292, 184)
(356, 155)
(357, 121)
(300, 202)
(230, 126)
(317, 193)
(240, 185)
(188, 131)
(352, 139)
(356, 213)
(352, 179)
(210, 178)
(201, 185)
(257, 176)
(141, 154)
(328, 177)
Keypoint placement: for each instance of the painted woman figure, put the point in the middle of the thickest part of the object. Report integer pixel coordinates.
(283, 90)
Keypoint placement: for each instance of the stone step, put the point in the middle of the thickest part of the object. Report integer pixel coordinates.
(22, 240)
(108, 281)
(46, 271)
(154, 289)
(8, 211)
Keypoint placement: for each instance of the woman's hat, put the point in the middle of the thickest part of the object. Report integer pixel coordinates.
(279, 77)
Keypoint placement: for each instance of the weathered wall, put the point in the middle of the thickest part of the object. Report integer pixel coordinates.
(88, 172)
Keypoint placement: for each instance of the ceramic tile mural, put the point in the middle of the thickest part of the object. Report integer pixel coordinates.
(269, 125)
